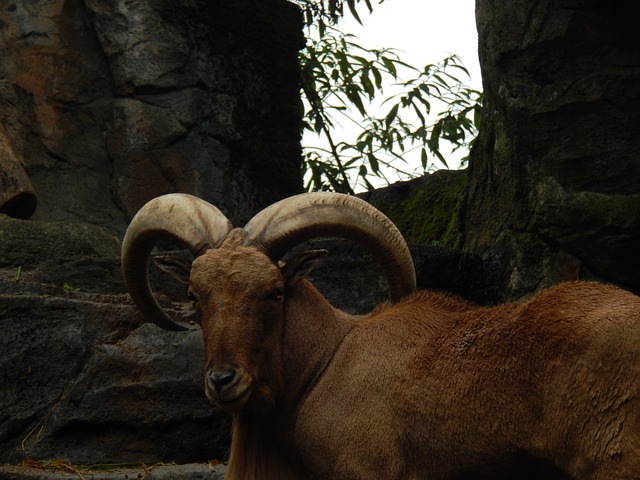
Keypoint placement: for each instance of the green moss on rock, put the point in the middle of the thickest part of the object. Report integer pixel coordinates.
(28, 242)
(426, 209)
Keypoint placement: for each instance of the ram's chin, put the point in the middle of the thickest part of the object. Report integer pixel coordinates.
(230, 402)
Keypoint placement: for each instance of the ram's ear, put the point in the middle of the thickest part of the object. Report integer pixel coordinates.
(301, 264)
(178, 267)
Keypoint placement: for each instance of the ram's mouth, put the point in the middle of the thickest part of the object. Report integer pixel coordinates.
(231, 398)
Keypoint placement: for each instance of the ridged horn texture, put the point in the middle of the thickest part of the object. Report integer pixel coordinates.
(192, 221)
(275, 230)
(291, 221)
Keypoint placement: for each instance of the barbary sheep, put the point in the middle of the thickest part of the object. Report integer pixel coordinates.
(427, 386)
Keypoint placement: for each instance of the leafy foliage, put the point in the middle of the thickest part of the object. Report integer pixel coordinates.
(323, 12)
(341, 80)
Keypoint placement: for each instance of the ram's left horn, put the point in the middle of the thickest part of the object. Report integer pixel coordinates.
(190, 220)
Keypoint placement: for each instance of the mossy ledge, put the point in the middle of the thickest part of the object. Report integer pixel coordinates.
(424, 209)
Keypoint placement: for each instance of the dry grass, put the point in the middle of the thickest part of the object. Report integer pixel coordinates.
(64, 466)
(55, 465)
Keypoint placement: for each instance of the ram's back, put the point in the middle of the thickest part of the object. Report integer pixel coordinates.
(435, 384)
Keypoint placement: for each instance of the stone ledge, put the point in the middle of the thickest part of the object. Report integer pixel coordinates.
(192, 471)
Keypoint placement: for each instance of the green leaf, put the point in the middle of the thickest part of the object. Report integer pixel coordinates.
(477, 117)
(352, 160)
(373, 161)
(367, 85)
(318, 125)
(461, 67)
(377, 76)
(361, 60)
(353, 95)
(434, 140)
(391, 115)
(419, 113)
(352, 9)
(441, 158)
(390, 66)
(368, 183)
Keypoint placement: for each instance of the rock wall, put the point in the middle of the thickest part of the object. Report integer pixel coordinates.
(93, 123)
(554, 178)
(104, 105)
(83, 377)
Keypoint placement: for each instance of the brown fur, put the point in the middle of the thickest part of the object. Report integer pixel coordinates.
(253, 453)
(431, 387)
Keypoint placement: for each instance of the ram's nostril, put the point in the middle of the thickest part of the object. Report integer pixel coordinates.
(220, 378)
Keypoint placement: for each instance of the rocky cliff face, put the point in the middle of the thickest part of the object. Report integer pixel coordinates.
(554, 180)
(83, 377)
(105, 105)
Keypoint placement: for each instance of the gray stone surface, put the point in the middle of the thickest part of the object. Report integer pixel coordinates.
(552, 195)
(554, 178)
(191, 471)
(105, 105)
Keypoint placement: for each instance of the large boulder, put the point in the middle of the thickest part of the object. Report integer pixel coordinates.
(554, 177)
(105, 105)
(427, 212)
(84, 377)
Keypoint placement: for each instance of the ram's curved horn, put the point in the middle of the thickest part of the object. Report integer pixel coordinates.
(291, 221)
(192, 221)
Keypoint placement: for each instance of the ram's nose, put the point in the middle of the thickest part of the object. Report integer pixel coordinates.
(221, 377)
(228, 387)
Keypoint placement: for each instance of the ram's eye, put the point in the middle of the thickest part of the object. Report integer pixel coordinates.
(191, 296)
(277, 294)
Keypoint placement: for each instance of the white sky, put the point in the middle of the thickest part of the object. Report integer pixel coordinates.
(424, 32)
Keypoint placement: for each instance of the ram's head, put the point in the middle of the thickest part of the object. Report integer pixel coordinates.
(238, 284)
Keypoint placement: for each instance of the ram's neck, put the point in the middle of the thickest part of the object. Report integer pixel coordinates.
(313, 331)
(254, 453)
